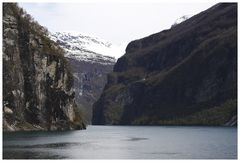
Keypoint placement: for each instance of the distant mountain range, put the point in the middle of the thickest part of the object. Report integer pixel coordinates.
(91, 59)
(86, 48)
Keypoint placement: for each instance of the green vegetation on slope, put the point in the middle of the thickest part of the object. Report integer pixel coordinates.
(218, 115)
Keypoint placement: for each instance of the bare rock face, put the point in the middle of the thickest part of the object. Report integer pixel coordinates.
(37, 81)
(186, 75)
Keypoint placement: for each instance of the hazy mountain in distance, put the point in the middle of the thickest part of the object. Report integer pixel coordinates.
(91, 59)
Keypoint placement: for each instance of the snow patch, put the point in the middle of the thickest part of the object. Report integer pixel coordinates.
(88, 48)
(181, 19)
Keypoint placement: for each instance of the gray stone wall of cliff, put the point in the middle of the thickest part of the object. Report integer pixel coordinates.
(37, 80)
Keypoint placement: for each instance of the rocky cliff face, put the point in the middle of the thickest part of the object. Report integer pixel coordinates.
(37, 81)
(186, 75)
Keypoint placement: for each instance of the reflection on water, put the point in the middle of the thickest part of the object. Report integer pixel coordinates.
(28, 154)
(49, 145)
(136, 139)
(124, 142)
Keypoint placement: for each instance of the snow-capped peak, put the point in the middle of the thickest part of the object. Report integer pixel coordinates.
(87, 48)
(181, 19)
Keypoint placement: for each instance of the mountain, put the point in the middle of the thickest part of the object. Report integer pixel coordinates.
(37, 79)
(91, 61)
(86, 48)
(186, 75)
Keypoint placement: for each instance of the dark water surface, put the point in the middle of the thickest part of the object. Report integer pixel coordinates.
(124, 142)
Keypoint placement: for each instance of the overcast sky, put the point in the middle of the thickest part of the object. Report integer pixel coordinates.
(115, 22)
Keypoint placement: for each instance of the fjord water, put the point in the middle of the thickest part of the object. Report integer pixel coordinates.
(124, 142)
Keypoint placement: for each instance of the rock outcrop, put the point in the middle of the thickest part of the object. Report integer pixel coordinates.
(186, 75)
(37, 80)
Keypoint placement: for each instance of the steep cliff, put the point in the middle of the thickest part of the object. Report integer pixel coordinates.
(37, 81)
(186, 75)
